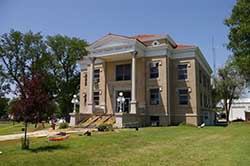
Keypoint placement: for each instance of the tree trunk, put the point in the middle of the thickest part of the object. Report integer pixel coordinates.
(25, 135)
(227, 116)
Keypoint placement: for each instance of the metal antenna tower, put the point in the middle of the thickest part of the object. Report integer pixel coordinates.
(214, 56)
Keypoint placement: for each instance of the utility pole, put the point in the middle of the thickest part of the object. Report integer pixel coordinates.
(214, 64)
(214, 57)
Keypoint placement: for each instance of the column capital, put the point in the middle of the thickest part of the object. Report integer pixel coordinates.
(134, 53)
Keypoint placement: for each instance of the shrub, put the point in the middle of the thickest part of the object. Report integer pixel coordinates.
(105, 127)
(63, 125)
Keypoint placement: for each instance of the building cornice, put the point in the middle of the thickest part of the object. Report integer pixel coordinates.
(193, 52)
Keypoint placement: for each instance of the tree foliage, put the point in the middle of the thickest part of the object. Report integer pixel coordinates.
(33, 105)
(228, 86)
(239, 36)
(39, 71)
(65, 53)
(3, 106)
(20, 55)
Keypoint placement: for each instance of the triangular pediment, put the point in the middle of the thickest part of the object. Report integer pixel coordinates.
(110, 41)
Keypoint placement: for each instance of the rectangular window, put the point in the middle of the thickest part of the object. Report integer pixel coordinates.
(96, 98)
(97, 75)
(182, 71)
(123, 72)
(205, 101)
(204, 81)
(85, 79)
(208, 101)
(208, 83)
(85, 99)
(154, 96)
(201, 100)
(183, 96)
(200, 77)
(154, 70)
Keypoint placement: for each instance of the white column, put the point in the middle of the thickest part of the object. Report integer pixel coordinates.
(103, 87)
(91, 86)
(133, 90)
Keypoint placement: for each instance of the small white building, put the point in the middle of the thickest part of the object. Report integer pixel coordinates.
(240, 109)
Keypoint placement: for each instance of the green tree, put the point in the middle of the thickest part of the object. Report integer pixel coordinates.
(65, 53)
(228, 86)
(21, 55)
(239, 36)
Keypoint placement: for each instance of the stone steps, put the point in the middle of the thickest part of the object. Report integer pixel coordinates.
(97, 120)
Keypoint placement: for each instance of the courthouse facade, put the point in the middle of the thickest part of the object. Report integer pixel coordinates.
(163, 83)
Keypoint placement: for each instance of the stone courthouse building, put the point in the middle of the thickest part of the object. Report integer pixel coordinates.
(163, 83)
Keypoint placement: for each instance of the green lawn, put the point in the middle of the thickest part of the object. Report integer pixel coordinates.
(181, 145)
(9, 128)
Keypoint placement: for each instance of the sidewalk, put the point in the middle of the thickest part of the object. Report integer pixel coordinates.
(40, 133)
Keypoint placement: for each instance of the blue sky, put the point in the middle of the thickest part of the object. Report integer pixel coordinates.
(186, 21)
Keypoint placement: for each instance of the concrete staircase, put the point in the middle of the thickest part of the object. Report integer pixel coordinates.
(97, 120)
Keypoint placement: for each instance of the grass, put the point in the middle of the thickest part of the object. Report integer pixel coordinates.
(10, 128)
(182, 145)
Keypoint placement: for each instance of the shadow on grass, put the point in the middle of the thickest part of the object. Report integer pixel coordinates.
(49, 148)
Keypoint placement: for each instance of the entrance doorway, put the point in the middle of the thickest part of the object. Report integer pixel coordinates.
(127, 96)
